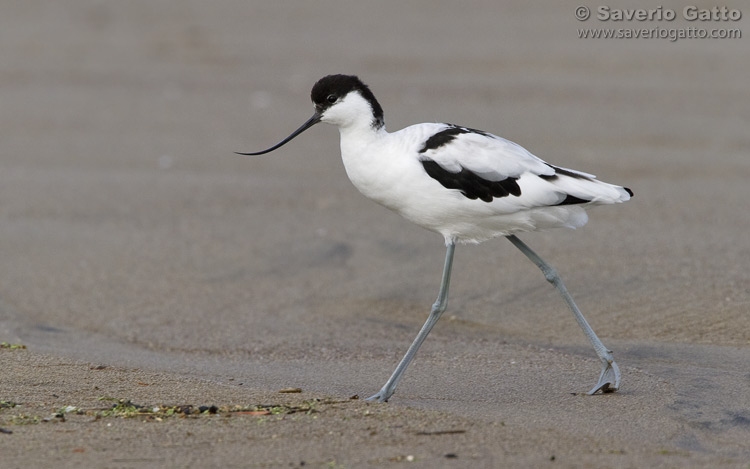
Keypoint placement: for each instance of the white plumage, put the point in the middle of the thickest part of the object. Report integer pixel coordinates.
(387, 167)
(466, 184)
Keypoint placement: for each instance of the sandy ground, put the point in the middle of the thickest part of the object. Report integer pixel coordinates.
(143, 261)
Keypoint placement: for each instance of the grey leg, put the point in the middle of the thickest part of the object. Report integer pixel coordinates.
(437, 310)
(609, 380)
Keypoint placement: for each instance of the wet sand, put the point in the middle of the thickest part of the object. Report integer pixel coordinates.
(142, 260)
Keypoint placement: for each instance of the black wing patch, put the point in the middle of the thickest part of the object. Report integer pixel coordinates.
(564, 172)
(471, 184)
(569, 199)
(573, 200)
(446, 136)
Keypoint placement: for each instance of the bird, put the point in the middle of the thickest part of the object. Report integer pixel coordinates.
(468, 185)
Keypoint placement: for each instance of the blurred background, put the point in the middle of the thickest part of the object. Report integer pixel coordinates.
(130, 231)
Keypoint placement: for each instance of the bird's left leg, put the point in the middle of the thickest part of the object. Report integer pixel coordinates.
(438, 308)
(609, 380)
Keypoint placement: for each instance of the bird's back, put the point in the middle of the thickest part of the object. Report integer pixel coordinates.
(470, 185)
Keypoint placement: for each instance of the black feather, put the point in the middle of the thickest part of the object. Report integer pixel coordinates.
(471, 185)
(447, 135)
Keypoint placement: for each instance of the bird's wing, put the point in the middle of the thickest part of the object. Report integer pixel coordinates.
(486, 155)
(487, 167)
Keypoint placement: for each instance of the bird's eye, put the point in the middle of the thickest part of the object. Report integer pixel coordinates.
(331, 98)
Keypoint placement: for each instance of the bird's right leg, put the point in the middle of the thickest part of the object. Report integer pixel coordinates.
(609, 379)
(437, 310)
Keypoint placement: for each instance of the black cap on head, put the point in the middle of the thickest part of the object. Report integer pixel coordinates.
(325, 93)
(333, 87)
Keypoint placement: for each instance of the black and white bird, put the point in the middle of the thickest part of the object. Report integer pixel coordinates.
(466, 184)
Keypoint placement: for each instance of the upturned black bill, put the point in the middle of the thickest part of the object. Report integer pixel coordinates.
(312, 121)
